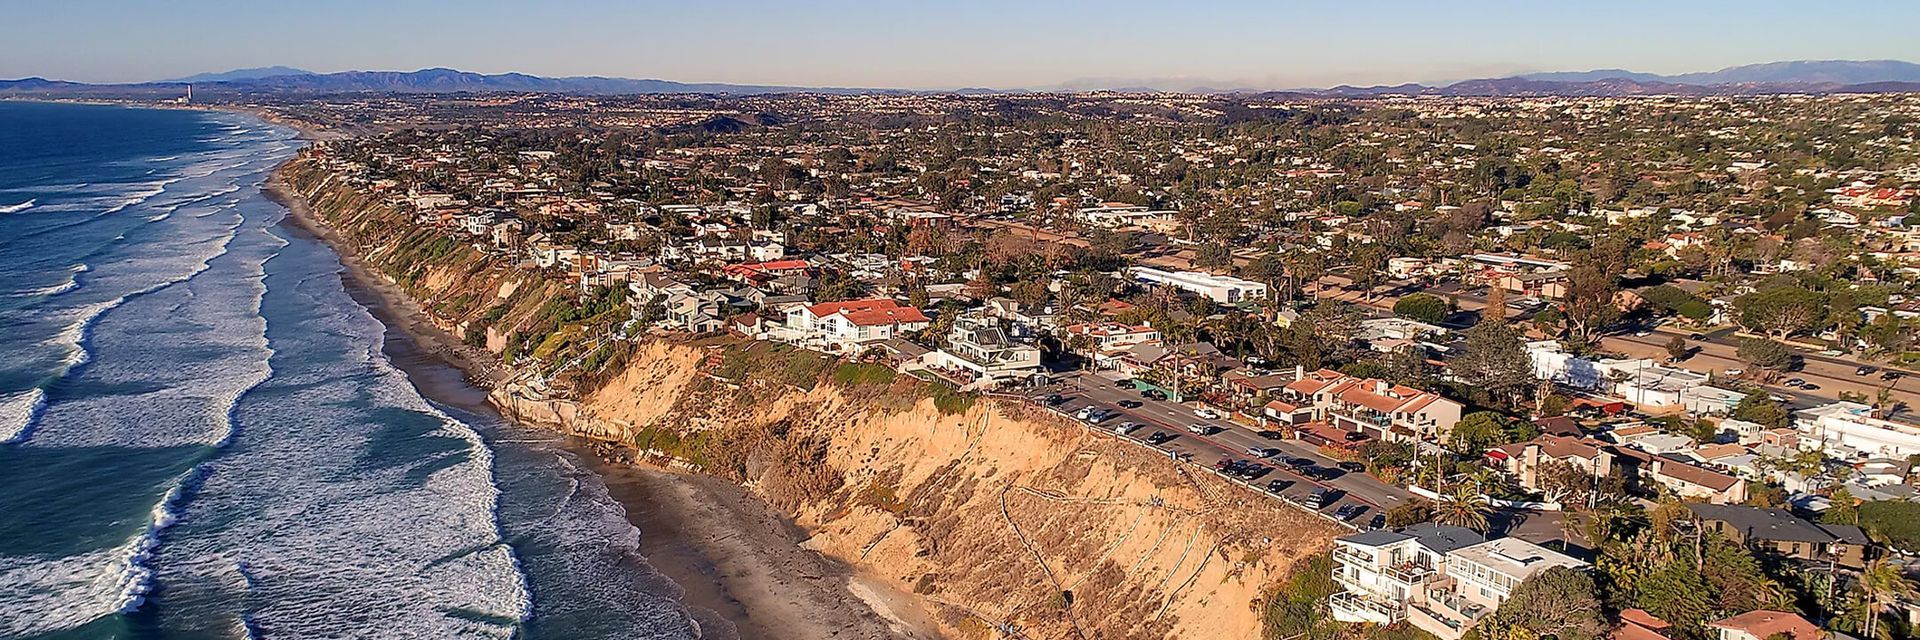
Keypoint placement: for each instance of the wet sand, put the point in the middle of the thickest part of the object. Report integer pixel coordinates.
(739, 562)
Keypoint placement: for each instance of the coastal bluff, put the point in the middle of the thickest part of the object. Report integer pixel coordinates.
(995, 515)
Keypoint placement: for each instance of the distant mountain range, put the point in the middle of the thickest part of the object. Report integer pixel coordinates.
(236, 75)
(1804, 76)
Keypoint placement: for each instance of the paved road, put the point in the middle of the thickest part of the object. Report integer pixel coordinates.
(1716, 354)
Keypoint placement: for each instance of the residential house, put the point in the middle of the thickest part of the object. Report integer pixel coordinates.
(842, 326)
(1777, 532)
(1766, 625)
(981, 353)
(1694, 482)
(1382, 571)
(1524, 460)
(1376, 408)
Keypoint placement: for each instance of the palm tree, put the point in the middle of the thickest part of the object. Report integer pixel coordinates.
(1465, 507)
(1883, 586)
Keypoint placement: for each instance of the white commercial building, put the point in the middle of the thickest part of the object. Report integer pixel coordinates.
(1221, 289)
(1854, 430)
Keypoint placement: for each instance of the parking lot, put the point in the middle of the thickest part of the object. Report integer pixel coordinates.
(1362, 496)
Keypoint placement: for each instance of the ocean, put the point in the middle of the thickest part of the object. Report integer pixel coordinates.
(203, 436)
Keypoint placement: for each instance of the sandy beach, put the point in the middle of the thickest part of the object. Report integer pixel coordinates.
(741, 563)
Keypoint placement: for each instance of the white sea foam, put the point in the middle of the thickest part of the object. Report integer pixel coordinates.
(49, 594)
(17, 208)
(17, 412)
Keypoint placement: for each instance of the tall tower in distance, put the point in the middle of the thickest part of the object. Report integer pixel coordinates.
(186, 99)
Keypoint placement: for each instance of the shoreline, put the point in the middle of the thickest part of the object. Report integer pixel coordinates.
(737, 561)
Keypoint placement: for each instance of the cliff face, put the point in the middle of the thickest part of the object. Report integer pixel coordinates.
(997, 514)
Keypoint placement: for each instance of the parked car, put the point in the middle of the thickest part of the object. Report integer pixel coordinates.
(1735, 372)
(1123, 384)
(1889, 375)
(1273, 435)
(1207, 414)
(1154, 395)
(1252, 471)
(1322, 473)
(1277, 486)
(1125, 428)
(1160, 437)
(1319, 499)
(1794, 382)
(1352, 467)
(1260, 452)
(1298, 464)
(1865, 370)
(1054, 399)
(1378, 521)
(1809, 387)
(1348, 511)
(1697, 337)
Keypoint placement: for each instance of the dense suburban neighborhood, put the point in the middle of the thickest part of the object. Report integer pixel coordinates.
(1547, 358)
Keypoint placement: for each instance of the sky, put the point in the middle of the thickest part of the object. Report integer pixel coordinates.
(931, 44)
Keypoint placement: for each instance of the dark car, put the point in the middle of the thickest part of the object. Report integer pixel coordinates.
(1273, 435)
(1378, 521)
(1322, 473)
(1348, 511)
(1277, 486)
(1053, 399)
(1160, 437)
(1129, 404)
(1352, 467)
(1809, 387)
(1252, 471)
(1865, 370)
(1320, 498)
(1889, 375)
(1154, 394)
(1697, 337)
(1123, 384)
(1297, 464)
(1226, 463)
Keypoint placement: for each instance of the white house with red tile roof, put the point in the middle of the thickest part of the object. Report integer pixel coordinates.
(1375, 407)
(842, 326)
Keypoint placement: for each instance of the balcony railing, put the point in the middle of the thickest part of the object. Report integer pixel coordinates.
(1393, 612)
(1406, 572)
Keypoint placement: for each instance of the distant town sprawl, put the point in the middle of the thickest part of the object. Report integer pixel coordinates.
(1680, 330)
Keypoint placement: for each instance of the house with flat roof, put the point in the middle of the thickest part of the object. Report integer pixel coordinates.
(1852, 430)
(1221, 289)
(1383, 571)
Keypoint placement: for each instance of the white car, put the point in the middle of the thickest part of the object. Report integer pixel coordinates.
(1199, 429)
(1207, 414)
(1125, 428)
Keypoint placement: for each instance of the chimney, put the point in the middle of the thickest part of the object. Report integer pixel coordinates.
(1299, 371)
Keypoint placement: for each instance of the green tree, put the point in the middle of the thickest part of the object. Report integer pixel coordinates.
(1759, 408)
(1424, 307)
(1765, 354)
(1559, 603)
(1476, 432)
(1494, 360)
(1677, 349)
(1780, 311)
(1466, 507)
(1882, 586)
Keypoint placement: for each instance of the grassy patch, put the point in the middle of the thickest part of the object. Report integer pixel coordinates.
(852, 374)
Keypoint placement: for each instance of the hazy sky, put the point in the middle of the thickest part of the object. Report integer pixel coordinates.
(945, 44)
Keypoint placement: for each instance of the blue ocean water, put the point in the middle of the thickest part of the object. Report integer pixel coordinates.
(201, 435)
